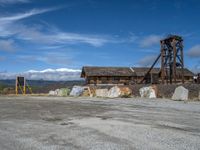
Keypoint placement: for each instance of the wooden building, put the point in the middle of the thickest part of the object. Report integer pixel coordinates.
(126, 75)
(108, 75)
(152, 77)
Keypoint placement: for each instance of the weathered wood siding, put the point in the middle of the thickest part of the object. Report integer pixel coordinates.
(153, 78)
(110, 80)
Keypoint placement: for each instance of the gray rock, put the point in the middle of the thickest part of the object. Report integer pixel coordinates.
(180, 93)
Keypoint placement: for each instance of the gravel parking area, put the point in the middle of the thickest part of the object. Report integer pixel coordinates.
(56, 123)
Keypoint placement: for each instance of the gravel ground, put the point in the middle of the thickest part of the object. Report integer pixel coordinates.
(49, 123)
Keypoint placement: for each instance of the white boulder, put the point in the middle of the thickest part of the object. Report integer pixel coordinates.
(76, 91)
(57, 91)
(180, 93)
(147, 92)
(114, 92)
(52, 93)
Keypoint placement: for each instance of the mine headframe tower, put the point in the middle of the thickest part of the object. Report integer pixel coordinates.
(171, 59)
(171, 55)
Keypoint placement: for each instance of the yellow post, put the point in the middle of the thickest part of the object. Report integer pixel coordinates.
(19, 86)
(16, 86)
(24, 87)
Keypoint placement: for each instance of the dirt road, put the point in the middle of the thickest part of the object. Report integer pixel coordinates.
(49, 123)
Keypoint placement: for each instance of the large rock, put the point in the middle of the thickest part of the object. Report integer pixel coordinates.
(180, 93)
(52, 93)
(114, 92)
(59, 92)
(119, 91)
(76, 91)
(63, 92)
(101, 92)
(125, 92)
(148, 92)
(56, 91)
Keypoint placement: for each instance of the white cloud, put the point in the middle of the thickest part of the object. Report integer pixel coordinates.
(30, 13)
(54, 70)
(4, 2)
(9, 25)
(61, 74)
(7, 45)
(44, 34)
(61, 57)
(51, 47)
(81, 38)
(51, 58)
(57, 38)
(194, 51)
(147, 61)
(150, 40)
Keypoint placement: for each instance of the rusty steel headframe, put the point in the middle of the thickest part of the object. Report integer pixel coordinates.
(171, 58)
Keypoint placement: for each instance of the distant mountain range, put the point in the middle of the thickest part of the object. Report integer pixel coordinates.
(42, 82)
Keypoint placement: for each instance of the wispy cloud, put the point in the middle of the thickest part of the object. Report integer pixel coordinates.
(7, 45)
(9, 25)
(150, 40)
(147, 61)
(30, 13)
(94, 40)
(60, 74)
(56, 58)
(51, 47)
(46, 34)
(194, 51)
(51, 58)
(58, 38)
(5, 2)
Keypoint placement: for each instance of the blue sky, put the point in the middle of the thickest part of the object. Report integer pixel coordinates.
(37, 35)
